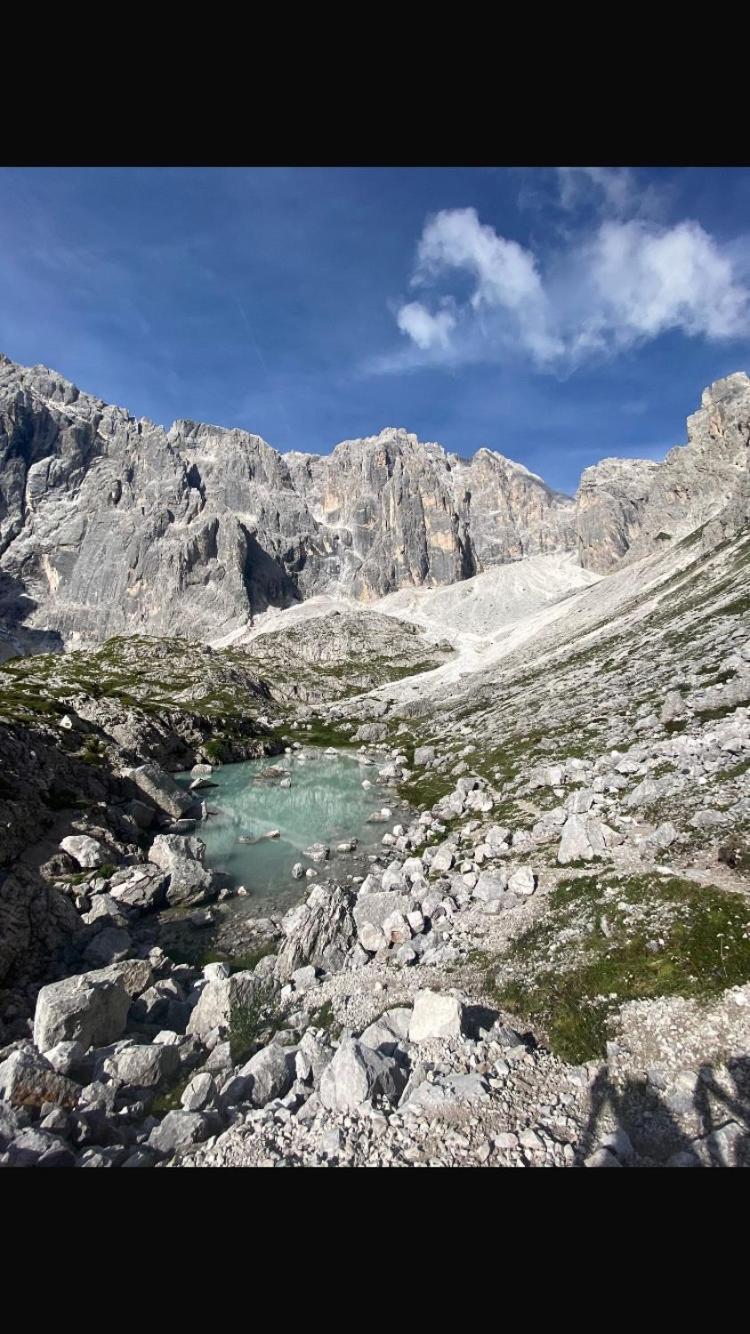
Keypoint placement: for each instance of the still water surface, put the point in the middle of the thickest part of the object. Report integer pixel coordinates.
(325, 804)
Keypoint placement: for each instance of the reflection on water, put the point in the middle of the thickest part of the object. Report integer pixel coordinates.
(326, 803)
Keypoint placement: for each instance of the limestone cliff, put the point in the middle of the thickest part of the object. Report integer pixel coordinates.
(112, 525)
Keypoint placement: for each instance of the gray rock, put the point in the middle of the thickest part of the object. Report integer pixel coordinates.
(178, 1132)
(356, 1076)
(143, 1066)
(218, 1002)
(28, 1080)
(269, 1074)
(108, 946)
(491, 886)
(199, 1094)
(582, 839)
(86, 851)
(435, 1016)
(522, 881)
(90, 1009)
(317, 852)
(38, 1148)
(144, 887)
(317, 932)
(183, 860)
(673, 708)
(372, 911)
(66, 1058)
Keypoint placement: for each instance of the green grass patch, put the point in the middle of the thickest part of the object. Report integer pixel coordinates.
(325, 1018)
(254, 1024)
(169, 1099)
(571, 973)
(324, 734)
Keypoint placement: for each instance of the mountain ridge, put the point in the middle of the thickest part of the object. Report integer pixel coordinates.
(111, 524)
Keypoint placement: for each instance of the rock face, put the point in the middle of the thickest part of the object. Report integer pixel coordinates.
(632, 507)
(212, 526)
(612, 497)
(90, 1009)
(695, 483)
(111, 525)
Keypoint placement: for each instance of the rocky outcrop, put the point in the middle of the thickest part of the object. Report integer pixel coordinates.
(611, 499)
(632, 507)
(110, 524)
(696, 483)
(402, 513)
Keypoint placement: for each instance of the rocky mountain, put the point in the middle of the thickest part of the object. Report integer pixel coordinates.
(545, 961)
(630, 507)
(111, 525)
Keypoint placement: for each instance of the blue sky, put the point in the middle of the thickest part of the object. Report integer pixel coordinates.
(557, 315)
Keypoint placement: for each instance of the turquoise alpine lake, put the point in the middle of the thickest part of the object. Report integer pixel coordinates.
(325, 803)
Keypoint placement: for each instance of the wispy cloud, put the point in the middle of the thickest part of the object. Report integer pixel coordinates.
(612, 188)
(618, 282)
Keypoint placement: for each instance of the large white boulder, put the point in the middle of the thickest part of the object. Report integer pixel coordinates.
(356, 1076)
(84, 850)
(435, 1016)
(89, 1009)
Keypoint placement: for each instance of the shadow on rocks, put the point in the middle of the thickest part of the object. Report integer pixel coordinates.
(647, 1129)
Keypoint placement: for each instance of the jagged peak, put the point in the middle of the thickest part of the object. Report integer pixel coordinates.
(185, 430)
(736, 383)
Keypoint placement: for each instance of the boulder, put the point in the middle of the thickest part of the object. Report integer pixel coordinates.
(313, 1055)
(85, 851)
(443, 857)
(38, 1148)
(133, 975)
(388, 1032)
(673, 709)
(491, 886)
(200, 1093)
(356, 1076)
(435, 1016)
(183, 860)
(143, 1066)
(110, 945)
(522, 881)
(269, 1074)
(396, 929)
(317, 852)
(89, 1009)
(66, 1058)
(28, 1080)
(318, 931)
(424, 755)
(372, 911)
(160, 788)
(582, 839)
(219, 1001)
(179, 1131)
(142, 887)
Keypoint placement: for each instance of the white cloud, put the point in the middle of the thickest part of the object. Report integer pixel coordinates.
(614, 188)
(621, 284)
(425, 329)
(650, 281)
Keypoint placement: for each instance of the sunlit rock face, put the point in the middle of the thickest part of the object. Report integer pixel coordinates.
(633, 507)
(611, 500)
(112, 525)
